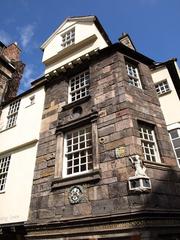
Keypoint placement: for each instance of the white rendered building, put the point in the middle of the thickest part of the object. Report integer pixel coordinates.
(19, 133)
(166, 77)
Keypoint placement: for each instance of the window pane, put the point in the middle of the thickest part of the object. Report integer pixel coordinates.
(83, 168)
(69, 164)
(178, 153)
(162, 87)
(69, 171)
(69, 149)
(80, 158)
(83, 160)
(68, 38)
(79, 86)
(12, 114)
(76, 162)
(176, 143)
(174, 133)
(76, 169)
(69, 156)
(133, 75)
(4, 166)
(148, 142)
(75, 147)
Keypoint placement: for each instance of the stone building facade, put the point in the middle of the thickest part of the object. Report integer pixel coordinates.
(11, 70)
(105, 167)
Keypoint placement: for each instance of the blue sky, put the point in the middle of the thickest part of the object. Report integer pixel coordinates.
(152, 24)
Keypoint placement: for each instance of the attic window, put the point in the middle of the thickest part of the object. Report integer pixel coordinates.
(68, 38)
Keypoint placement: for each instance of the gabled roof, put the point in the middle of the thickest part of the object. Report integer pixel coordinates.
(79, 19)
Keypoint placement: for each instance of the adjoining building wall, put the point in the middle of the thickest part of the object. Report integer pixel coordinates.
(19, 138)
(166, 78)
(15, 198)
(27, 124)
(169, 101)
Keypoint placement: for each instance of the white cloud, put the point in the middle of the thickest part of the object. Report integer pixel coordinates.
(26, 34)
(4, 37)
(28, 77)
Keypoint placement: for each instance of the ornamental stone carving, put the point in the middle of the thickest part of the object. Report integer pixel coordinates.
(140, 182)
(75, 194)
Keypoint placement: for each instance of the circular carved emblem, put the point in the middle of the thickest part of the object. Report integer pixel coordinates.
(75, 194)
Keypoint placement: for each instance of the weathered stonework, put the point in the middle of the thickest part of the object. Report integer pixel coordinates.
(115, 108)
(11, 70)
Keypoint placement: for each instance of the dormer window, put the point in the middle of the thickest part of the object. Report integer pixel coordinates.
(68, 38)
(79, 86)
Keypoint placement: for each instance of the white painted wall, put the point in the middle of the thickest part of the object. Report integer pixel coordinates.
(170, 103)
(15, 200)
(27, 124)
(21, 142)
(83, 30)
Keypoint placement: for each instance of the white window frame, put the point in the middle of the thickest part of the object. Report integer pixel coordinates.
(162, 87)
(75, 154)
(149, 143)
(4, 168)
(68, 38)
(79, 86)
(13, 113)
(133, 74)
(175, 148)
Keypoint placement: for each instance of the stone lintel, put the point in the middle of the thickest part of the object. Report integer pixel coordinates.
(93, 176)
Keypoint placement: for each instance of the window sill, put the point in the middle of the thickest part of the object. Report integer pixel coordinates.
(93, 176)
(131, 85)
(29, 105)
(6, 129)
(165, 93)
(156, 165)
(75, 103)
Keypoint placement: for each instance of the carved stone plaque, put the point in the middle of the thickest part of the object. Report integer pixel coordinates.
(75, 194)
(120, 152)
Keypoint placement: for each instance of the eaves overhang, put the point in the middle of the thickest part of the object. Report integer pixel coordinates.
(71, 49)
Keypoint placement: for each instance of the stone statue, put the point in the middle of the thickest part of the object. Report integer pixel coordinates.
(139, 167)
